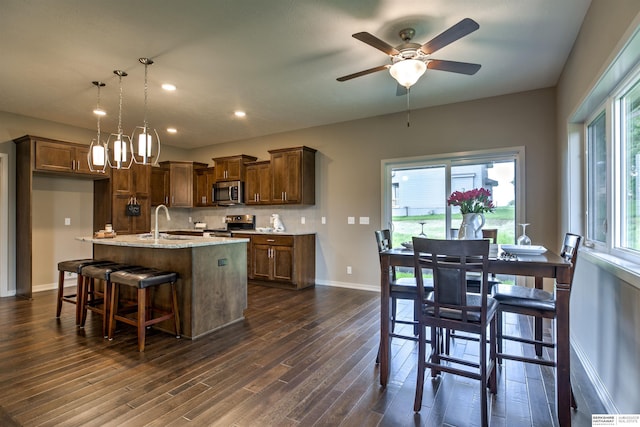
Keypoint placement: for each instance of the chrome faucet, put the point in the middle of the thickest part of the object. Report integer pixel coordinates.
(156, 233)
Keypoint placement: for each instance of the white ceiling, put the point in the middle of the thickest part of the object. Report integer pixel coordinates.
(278, 59)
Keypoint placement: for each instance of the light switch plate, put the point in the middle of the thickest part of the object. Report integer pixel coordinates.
(67, 221)
(324, 220)
(364, 220)
(351, 220)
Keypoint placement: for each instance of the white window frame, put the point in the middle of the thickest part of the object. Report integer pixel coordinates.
(517, 154)
(614, 170)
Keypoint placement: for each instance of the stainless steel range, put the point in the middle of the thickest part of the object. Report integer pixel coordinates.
(234, 223)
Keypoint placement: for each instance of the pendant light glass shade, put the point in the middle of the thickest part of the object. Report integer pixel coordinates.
(118, 143)
(98, 148)
(147, 139)
(408, 71)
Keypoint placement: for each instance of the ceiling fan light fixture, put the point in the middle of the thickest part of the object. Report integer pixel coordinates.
(407, 71)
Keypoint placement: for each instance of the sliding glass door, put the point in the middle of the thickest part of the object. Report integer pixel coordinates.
(415, 193)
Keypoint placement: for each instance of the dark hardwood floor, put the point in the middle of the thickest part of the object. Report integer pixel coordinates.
(300, 358)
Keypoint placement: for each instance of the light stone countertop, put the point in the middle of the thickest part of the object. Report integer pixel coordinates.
(164, 242)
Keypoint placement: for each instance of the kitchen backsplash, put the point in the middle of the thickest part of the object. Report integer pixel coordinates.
(213, 217)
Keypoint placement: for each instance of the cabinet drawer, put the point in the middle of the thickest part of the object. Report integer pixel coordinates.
(270, 239)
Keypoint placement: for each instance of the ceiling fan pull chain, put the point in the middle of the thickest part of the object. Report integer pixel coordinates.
(408, 108)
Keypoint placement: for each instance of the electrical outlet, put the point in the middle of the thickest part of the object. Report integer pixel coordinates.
(349, 270)
(324, 220)
(67, 221)
(190, 219)
(302, 220)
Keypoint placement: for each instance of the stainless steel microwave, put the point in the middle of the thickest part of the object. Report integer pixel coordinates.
(228, 193)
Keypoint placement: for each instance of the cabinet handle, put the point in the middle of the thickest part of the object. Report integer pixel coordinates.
(173, 199)
(270, 240)
(73, 165)
(285, 196)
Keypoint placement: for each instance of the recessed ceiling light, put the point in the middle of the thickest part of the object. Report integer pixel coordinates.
(172, 130)
(240, 113)
(169, 87)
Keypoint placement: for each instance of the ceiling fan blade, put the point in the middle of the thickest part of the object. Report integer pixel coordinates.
(362, 73)
(373, 41)
(453, 66)
(459, 30)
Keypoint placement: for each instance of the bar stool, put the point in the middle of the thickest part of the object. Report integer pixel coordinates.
(101, 272)
(73, 266)
(141, 280)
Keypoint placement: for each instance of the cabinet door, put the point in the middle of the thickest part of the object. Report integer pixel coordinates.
(159, 186)
(234, 167)
(203, 183)
(282, 257)
(121, 182)
(82, 162)
(142, 224)
(261, 261)
(221, 170)
(181, 185)
(120, 221)
(141, 180)
(55, 157)
(258, 184)
(286, 170)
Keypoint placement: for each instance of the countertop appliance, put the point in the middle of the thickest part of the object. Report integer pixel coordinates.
(228, 193)
(234, 223)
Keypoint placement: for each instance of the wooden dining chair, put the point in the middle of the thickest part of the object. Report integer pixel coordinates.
(400, 288)
(537, 303)
(450, 306)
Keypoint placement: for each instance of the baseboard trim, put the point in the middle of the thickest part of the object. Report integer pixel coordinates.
(349, 285)
(592, 374)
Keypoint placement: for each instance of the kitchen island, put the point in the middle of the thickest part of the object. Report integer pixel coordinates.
(212, 284)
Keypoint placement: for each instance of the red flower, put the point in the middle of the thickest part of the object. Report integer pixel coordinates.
(472, 201)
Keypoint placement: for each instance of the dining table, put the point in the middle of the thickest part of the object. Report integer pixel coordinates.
(539, 266)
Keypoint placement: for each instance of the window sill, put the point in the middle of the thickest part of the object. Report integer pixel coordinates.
(622, 269)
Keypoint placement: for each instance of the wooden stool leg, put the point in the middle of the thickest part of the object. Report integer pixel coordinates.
(86, 288)
(113, 308)
(142, 316)
(176, 316)
(79, 290)
(60, 293)
(105, 310)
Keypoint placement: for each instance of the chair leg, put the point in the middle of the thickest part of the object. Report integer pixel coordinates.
(113, 308)
(87, 287)
(417, 403)
(493, 378)
(60, 293)
(499, 334)
(482, 354)
(105, 309)
(79, 292)
(393, 313)
(142, 316)
(176, 316)
(436, 348)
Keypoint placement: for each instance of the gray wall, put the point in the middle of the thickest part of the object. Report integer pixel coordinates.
(605, 301)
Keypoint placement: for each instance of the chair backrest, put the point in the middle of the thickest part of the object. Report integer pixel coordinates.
(569, 250)
(383, 238)
(490, 233)
(450, 261)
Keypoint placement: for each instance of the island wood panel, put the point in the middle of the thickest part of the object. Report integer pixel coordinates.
(209, 296)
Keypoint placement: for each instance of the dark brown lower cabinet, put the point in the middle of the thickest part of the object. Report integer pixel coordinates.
(281, 260)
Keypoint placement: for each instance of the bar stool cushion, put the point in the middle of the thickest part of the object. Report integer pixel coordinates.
(76, 265)
(520, 296)
(143, 278)
(103, 271)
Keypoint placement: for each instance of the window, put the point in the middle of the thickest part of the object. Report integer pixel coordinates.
(612, 163)
(415, 192)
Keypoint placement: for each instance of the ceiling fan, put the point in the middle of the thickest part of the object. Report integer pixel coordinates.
(410, 60)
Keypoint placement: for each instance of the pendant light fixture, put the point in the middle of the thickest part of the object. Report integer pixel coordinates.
(147, 139)
(96, 157)
(118, 143)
